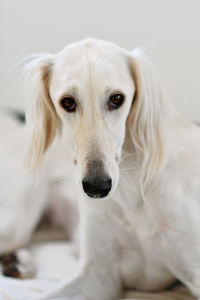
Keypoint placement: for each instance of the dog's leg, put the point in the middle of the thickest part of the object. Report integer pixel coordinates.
(99, 276)
(16, 228)
(17, 221)
(21, 205)
(181, 250)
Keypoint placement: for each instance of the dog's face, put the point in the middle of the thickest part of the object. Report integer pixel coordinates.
(87, 90)
(92, 90)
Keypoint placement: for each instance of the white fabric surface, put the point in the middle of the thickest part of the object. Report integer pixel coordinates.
(54, 262)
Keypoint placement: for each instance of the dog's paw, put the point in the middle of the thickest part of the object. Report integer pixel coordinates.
(17, 264)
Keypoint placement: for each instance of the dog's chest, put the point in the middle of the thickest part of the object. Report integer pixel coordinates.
(142, 264)
(141, 255)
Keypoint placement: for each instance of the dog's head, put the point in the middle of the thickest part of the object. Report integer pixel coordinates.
(94, 91)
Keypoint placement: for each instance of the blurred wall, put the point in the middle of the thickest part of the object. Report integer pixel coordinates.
(169, 31)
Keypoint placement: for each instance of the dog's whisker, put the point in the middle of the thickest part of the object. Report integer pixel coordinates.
(60, 181)
(126, 155)
(131, 169)
(122, 183)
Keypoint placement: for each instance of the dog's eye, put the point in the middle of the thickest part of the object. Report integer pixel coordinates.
(69, 104)
(115, 101)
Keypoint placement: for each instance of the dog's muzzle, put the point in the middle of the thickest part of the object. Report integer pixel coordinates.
(97, 187)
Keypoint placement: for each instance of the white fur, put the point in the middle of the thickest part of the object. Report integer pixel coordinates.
(146, 232)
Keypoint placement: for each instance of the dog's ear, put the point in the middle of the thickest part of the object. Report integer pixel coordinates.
(148, 115)
(40, 111)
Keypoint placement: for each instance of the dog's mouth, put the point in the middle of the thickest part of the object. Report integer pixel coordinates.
(96, 196)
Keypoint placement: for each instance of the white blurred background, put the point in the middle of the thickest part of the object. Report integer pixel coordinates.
(169, 31)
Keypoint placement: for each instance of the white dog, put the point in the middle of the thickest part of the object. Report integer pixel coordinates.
(102, 118)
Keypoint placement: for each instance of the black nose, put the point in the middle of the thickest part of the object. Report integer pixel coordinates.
(98, 187)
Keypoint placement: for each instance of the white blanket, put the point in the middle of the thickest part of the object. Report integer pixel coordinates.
(55, 261)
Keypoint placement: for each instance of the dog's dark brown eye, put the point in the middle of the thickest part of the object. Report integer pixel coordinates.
(115, 101)
(69, 104)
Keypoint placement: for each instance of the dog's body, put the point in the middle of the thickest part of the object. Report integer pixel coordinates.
(146, 230)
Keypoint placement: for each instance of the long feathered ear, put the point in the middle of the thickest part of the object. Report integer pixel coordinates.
(40, 111)
(147, 120)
